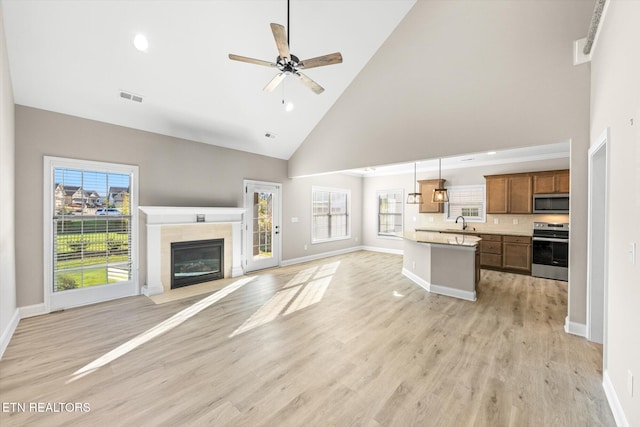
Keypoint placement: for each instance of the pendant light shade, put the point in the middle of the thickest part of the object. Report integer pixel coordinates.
(440, 194)
(414, 198)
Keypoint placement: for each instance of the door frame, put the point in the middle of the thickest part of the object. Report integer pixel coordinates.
(277, 238)
(597, 297)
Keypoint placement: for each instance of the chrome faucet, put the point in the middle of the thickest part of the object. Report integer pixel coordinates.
(464, 224)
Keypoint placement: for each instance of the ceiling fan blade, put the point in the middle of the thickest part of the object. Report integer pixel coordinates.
(332, 58)
(251, 60)
(280, 35)
(309, 83)
(274, 82)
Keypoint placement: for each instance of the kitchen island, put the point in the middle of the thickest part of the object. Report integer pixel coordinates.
(442, 263)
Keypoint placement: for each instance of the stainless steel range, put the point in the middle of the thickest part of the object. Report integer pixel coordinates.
(550, 251)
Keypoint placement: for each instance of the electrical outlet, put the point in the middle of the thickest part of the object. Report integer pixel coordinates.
(305, 247)
(430, 219)
(515, 221)
(630, 382)
(414, 219)
(496, 221)
(294, 219)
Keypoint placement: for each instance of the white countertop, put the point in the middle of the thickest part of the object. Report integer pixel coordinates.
(439, 238)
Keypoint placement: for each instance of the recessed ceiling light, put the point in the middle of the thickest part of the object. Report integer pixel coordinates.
(491, 153)
(141, 43)
(289, 107)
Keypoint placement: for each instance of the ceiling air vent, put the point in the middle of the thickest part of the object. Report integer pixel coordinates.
(130, 96)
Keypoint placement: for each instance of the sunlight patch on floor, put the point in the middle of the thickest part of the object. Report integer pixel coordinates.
(159, 329)
(306, 288)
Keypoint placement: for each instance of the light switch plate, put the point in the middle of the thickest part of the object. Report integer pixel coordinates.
(496, 221)
(630, 382)
(515, 221)
(632, 253)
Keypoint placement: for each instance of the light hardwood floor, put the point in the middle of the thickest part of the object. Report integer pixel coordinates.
(374, 350)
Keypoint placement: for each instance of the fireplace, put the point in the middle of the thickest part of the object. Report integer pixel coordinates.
(196, 262)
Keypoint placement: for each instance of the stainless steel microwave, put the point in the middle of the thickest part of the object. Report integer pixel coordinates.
(551, 203)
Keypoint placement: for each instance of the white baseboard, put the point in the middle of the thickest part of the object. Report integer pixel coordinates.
(440, 290)
(8, 332)
(455, 293)
(33, 310)
(383, 250)
(574, 328)
(314, 257)
(614, 402)
(417, 280)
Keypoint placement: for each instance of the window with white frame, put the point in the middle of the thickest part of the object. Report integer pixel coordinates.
(467, 201)
(91, 223)
(330, 211)
(390, 208)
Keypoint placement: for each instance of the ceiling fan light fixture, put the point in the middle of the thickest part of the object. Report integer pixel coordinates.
(289, 107)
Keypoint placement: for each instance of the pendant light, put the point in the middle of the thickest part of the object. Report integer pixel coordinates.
(414, 198)
(440, 194)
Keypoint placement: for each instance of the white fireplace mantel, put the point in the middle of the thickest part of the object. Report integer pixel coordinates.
(157, 217)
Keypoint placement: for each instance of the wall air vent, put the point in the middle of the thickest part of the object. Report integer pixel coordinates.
(130, 96)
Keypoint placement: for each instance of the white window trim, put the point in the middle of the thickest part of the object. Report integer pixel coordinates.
(332, 190)
(483, 214)
(389, 235)
(78, 297)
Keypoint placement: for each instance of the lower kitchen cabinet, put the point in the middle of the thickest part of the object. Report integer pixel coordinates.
(516, 253)
(506, 253)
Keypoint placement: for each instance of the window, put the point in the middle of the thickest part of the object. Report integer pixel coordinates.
(90, 231)
(330, 211)
(390, 206)
(467, 201)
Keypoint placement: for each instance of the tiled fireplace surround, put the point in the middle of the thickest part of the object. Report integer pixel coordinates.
(165, 225)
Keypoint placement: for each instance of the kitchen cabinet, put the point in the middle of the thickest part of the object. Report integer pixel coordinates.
(491, 251)
(509, 194)
(551, 182)
(516, 253)
(426, 188)
(497, 188)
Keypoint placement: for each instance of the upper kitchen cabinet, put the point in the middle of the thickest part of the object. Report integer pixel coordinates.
(551, 182)
(426, 188)
(509, 194)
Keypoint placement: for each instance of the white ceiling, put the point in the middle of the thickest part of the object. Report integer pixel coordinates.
(75, 57)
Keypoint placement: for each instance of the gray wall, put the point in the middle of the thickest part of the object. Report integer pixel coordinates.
(456, 77)
(7, 194)
(173, 172)
(615, 98)
(297, 204)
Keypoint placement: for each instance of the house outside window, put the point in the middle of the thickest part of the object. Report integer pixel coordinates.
(90, 251)
(467, 201)
(390, 212)
(331, 209)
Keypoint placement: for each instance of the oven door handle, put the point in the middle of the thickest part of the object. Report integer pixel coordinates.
(548, 239)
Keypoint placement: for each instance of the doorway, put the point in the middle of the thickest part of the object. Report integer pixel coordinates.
(263, 225)
(597, 241)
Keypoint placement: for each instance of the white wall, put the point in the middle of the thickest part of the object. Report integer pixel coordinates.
(615, 103)
(8, 310)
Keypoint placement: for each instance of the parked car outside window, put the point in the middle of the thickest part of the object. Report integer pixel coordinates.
(108, 211)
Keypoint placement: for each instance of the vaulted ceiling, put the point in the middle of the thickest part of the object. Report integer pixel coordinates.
(76, 57)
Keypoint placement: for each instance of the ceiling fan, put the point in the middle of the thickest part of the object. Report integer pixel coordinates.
(289, 64)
